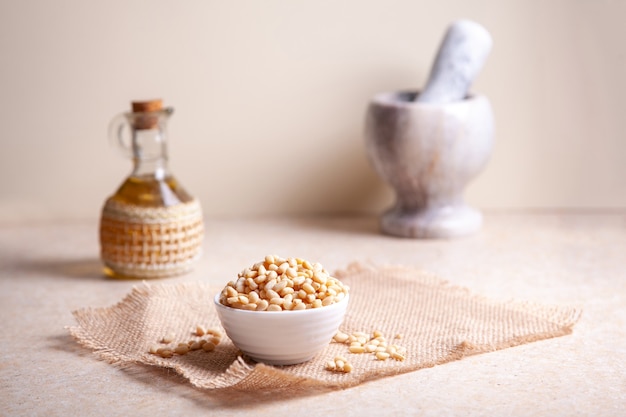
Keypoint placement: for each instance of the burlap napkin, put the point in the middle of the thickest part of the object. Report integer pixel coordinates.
(439, 323)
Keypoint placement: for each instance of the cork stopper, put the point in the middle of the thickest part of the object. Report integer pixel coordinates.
(146, 121)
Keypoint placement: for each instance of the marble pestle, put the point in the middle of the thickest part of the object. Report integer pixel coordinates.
(462, 54)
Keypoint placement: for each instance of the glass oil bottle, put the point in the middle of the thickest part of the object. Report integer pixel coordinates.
(150, 227)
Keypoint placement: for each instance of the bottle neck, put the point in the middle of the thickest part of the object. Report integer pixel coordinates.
(149, 154)
(156, 169)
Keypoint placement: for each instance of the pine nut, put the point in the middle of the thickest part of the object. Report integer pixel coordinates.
(308, 288)
(339, 364)
(360, 342)
(277, 300)
(181, 349)
(195, 346)
(282, 268)
(319, 278)
(269, 282)
(274, 307)
(286, 290)
(335, 288)
(269, 294)
(165, 353)
(231, 292)
(208, 347)
(340, 337)
(253, 297)
(214, 332)
(169, 338)
(356, 349)
(154, 349)
(280, 285)
(251, 284)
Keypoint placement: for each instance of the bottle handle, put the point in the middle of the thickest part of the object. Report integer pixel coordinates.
(117, 136)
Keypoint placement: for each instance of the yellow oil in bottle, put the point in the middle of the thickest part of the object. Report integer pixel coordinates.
(147, 191)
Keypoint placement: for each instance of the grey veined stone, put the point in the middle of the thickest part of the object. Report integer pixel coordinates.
(428, 146)
(461, 56)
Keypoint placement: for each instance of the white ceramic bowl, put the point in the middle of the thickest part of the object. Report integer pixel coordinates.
(282, 337)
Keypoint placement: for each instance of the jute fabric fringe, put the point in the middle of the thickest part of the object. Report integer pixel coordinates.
(439, 323)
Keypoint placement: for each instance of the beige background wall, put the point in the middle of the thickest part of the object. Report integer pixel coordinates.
(270, 97)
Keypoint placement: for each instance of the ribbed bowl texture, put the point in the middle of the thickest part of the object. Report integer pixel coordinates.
(282, 337)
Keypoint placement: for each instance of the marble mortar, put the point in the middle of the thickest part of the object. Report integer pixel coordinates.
(428, 152)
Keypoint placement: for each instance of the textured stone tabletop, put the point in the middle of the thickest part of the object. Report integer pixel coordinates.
(563, 258)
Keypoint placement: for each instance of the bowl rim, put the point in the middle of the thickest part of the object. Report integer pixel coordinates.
(218, 305)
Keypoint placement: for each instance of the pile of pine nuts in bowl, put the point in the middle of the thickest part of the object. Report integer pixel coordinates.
(282, 311)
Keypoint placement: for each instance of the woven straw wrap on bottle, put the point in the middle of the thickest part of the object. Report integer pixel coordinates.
(439, 323)
(150, 242)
